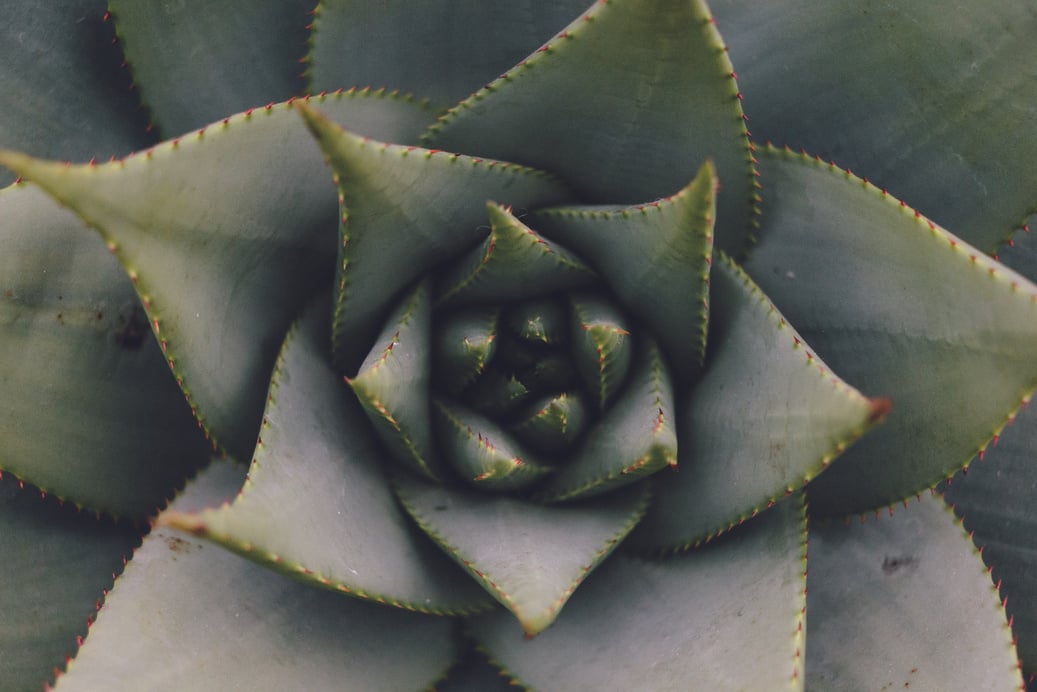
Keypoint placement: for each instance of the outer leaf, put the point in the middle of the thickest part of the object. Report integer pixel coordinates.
(226, 233)
(688, 620)
(766, 417)
(670, 102)
(656, 258)
(927, 98)
(317, 503)
(56, 565)
(195, 61)
(188, 615)
(403, 210)
(116, 434)
(995, 499)
(913, 596)
(435, 53)
(65, 95)
(529, 557)
(858, 274)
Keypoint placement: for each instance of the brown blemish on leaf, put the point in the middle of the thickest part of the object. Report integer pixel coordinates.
(897, 562)
(131, 328)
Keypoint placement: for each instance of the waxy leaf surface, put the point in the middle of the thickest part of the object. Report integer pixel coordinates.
(899, 308)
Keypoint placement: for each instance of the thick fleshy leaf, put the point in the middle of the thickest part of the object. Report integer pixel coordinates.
(473, 673)
(537, 322)
(635, 438)
(189, 615)
(661, 625)
(464, 344)
(317, 504)
(393, 384)
(196, 62)
(483, 453)
(89, 412)
(65, 95)
(405, 209)
(899, 308)
(913, 596)
(931, 99)
(511, 263)
(227, 233)
(603, 349)
(434, 51)
(57, 562)
(668, 104)
(656, 258)
(553, 423)
(766, 417)
(530, 557)
(995, 499)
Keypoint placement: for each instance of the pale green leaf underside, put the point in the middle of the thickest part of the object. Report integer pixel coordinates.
(727, 616)
(56, 564)
(429, 49)
(404, 209)
(89, 410)
(196, 62)
(655, 257)
(668, 104)
(187, 614)
(996, 501)
(317, 504)
(228, 231)
(913, 596)
(899, 308)
(65, 95)
(529, 557)
(765, 419)
(933, 99)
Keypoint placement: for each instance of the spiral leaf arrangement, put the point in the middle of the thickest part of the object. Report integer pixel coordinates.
(547, 387)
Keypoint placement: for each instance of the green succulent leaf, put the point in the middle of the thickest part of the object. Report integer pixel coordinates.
(635, 438)
(928, 99)
(434, 51)
(929, 611)
(858, 273)
(603, 349)
(464, 344)
(317, 504)
(226, 234)
(483, 453)
(658, 625)
(116, 434)
(530, 557)
(186, 615)
(766, 417)
(195, 63)
(393, 384)
(656, 258)
(511, 259)
(57, 564)
(403, 210)
(995, 501)
(553, 423)
(646, 141)
(65, 49)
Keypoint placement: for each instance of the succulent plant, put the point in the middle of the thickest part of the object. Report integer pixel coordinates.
(497, 332)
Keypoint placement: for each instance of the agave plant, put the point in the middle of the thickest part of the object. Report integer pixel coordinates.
(494, 349)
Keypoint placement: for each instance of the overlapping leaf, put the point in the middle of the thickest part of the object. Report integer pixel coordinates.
(189, 615)
(928, 615)
(899, 308)
(669, 103)
(226, 234)
(317, 503)
(686, 620)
